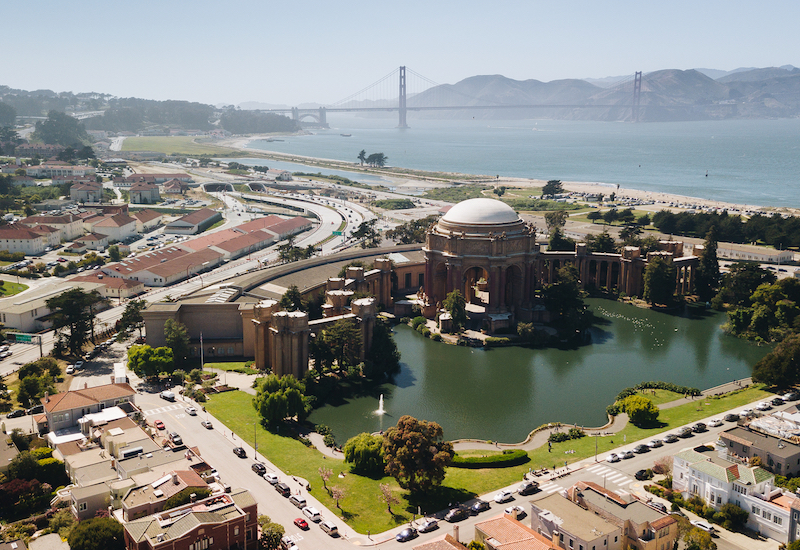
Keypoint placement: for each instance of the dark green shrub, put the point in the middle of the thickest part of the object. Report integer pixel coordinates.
(493, 341)
(417, 321)
(436, 337)
(508, 458)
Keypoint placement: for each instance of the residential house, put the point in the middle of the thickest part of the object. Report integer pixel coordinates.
(93, 241)
(70, 225)
(448, 542)
(779, 454)
(193, 223)
(149, 499)
(65, 409)
(707, 473)
(504, 532)
(175, 187)
(50, 169)
(45, 151)
(144, 193)
(219, 521)
(113, 287)
(570, 526)
(279, 175)
(8, 451)
(86, 192)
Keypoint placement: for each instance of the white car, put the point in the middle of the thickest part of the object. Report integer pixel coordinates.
(746, 412)
(516, 511)
(700, 524)
(763, 406)
(655, 443)
(714, 422)
(70, 369)
(272, 478)
(503, 496)
(191, 411)
(428, 525)
(613, 457)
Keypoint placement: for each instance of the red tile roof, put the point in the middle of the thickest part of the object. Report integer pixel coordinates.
(211, 239)
(86, 397)
(116, 220)
(19, 233)
(146, 215)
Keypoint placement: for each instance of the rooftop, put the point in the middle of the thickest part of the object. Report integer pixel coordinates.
(481, 211)
(574, 519)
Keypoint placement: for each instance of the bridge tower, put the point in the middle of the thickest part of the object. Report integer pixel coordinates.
(295, 114)
(402, 99)
(323, 117)
(637, 93)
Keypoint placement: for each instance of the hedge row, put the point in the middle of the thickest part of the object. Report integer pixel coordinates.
(508, 458)
(494, 341)
(656, 385)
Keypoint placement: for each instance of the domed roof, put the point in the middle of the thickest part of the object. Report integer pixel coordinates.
(481, 211)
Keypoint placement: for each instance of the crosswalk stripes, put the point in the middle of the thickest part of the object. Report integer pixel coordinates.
(610, 474)
(550, 488)
(162, 409)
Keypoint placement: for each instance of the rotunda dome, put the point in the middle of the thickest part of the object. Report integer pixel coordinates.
(481, 211)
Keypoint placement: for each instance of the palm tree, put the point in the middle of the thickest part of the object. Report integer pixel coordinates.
(362, 156)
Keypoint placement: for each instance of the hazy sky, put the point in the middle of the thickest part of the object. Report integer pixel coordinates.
(295, 51)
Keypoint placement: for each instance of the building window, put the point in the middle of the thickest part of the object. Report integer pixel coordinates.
(249, 534)
(421, 279)
(82, 507)
(408, 280)
(778, 520)
(230, 350)
(236, 531)
(766, 515)
(571, 543)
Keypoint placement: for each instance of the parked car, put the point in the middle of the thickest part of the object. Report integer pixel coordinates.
(406, 534)
(641, 475)
(707, 527)
(746, 412)
(207, 424)
(613, 457)
(731, 417)
(168, 395)
(479, 506)
(78, 364)
(429, 524)
(175, 438)
(655, 443)
(527, 487)
(763, 406)
(714, 422)
(16, 414)
(271, 478)
(503, 496)
(70, 369)
(670, 438)
(241, 453)
(791, 396)
(658, 506)
(456, 514)
(685, 432)
(158, 424)
(699, 427)
(36, 409)
(778, 401)
(516, 511)
(283, 489)
(259, 468)
(639, 449)
(301, 523)
(626, 454)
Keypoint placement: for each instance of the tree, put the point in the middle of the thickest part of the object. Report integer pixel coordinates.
(23, 466)
(499, 191)
(292, 300)
(362, 156)
(781, 366)
(271, 534)
(343, 340)
(377, 159)
(559, 242)
(735, 517)
(610, 216)
(280, 398)
(148, 362)
(91, 534)
(630, 235)
(113, 253)
(338, 493)
(456, 306)
(552, 187)
(602, 242)
(61, 129)
(387, 497)
(640, 410)
(707, 279)
(8, 115)
(367, 234)
(555, 220)
(594, 215)
(742, 280)
(177, 338)
(132, 316)
(476, 545)
(73, 311)
(415, 454)
(365, 452)
(659, 281)
(383, 358)
(626, 216)
(325, 474)
(697, 539)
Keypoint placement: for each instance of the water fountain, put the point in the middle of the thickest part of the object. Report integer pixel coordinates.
(380, 406)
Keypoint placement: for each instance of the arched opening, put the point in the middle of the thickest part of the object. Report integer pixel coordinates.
(513, 291)
(476, 286)
(440, 283)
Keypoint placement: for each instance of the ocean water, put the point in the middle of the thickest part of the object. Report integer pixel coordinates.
(754, 162)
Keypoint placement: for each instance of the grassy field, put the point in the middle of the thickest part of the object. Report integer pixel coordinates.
(236, 366)
(9, 288)
(179, 145)
(362, 507)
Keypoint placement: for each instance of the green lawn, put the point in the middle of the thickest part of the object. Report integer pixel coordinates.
(180, 145)
(9, 288)
(236, 366)
(362, 507)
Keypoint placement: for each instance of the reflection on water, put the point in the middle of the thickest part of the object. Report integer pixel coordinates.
(502, 394)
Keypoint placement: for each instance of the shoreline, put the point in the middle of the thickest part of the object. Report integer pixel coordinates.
(424, 178)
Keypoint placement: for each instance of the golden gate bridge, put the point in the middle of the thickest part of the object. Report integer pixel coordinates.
(391, 94)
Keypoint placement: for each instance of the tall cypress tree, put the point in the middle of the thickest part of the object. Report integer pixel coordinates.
(707, 279)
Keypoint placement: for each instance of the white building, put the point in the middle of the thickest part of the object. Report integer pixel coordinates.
(703, 472)
(14, 238)
(117, 227)
(746, 252)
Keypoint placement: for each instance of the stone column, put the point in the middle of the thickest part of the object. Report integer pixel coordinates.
(365, 309)
(262, 319)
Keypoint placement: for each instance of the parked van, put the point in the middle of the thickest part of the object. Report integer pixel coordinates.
(329, 528)
(312, 513)
(298, 501)
(283, 489)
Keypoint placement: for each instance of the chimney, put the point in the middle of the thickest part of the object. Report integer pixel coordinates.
(47, 397)
(175, 478)
(85, 386)
(455, 532)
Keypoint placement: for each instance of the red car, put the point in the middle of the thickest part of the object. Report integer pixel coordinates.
(301, 523)
(159, 425)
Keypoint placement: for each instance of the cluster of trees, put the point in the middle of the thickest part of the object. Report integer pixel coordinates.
(413, 452)
(564, 300)
(375, 159)
(280, 398)
(413, 231)
(73, 314)
(253, 122)
(8, 115)
(147, 361)
(395, 204)
(61, 129)
(39, 102)
(31, 477)
(288, 252)
(366, 232)
(35, 379)
(770, 313)
(552, 187)
(133, 114)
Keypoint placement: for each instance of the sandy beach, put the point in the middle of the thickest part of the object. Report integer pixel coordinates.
(644, 200)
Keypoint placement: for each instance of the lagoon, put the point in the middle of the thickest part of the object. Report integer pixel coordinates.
(502, 394)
